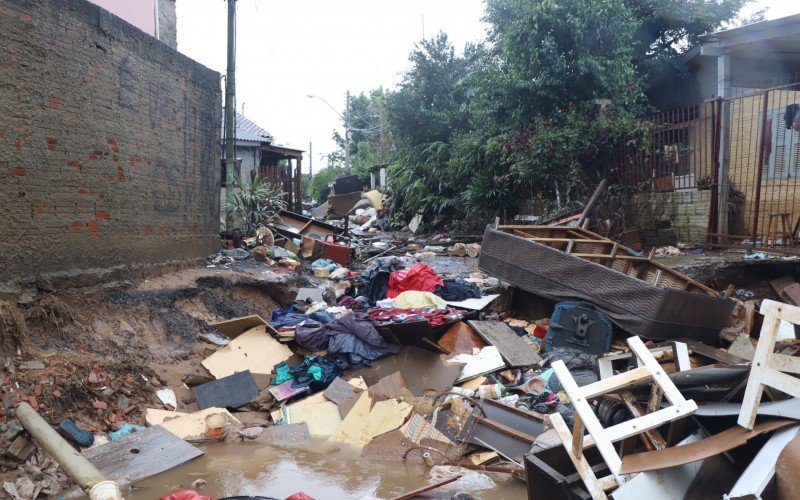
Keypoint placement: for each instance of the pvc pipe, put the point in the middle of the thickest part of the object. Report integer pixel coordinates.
(75, 464)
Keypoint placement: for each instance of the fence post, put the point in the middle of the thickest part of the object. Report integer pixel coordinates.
(760, 166)
(716, 114)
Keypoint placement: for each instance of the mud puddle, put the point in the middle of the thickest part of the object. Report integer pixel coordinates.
(251, 469)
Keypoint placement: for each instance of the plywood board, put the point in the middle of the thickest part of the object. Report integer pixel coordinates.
(192, 424)
(229, 392)
(352, 426)
(232, 328)
(141, 455)
(473, 304)
(253, 350)
(323, 418)
(515, 351)
(385, 416)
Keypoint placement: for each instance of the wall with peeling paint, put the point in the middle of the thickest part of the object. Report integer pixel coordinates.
(108, 146)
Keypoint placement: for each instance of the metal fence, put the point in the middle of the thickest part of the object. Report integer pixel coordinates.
(744, 149)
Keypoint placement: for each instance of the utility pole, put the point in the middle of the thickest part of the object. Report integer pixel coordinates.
(347, 133)
(230, 99)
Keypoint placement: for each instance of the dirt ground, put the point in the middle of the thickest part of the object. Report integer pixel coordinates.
(99, 355)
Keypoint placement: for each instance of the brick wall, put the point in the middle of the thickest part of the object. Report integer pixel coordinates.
(686, 212)
(108, 146)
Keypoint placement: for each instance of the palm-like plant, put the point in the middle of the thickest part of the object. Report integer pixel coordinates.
(254, 205)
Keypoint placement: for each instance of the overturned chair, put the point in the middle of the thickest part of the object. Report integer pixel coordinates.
(604, 438)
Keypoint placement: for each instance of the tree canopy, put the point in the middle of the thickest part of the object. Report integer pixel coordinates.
(523, 115)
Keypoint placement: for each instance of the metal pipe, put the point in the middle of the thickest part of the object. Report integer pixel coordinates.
(75, 464)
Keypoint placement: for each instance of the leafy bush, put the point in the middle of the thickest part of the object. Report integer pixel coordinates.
(255, 204)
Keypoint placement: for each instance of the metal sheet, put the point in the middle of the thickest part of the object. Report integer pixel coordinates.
(788, 408)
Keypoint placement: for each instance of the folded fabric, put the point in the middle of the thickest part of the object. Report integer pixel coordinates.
(420, 277)
(456, 290)
(412, 299)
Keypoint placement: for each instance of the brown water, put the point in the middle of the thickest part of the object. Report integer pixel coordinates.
(254, 469)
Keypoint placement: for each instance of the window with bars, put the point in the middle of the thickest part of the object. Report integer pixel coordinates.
(782, 159)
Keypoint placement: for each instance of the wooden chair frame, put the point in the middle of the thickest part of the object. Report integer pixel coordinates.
(770, 369)
(604, 438)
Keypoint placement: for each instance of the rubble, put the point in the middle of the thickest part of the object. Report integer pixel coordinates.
(395, 355)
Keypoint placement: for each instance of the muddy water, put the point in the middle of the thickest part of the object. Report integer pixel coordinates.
(250, 469)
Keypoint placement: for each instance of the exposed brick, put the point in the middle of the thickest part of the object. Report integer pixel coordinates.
(100, 405)
(110, 144)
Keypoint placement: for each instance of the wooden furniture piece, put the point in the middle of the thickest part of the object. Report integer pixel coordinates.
(770, 369)
(604, 438)
(771, 238)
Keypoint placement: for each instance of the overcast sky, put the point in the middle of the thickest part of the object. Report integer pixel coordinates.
(288, 49)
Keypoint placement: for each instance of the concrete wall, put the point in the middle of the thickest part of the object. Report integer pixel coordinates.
(168, 23)
(686, 211)
(108, 146)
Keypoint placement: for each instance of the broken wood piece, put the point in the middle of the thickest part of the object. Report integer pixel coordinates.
(141, 455)
(480, 457)
(708, 447)
(761, 470)
(419, 491)
(653, 436)
(515, 351)
(769, 369)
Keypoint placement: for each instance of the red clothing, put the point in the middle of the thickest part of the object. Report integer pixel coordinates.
(418, 277)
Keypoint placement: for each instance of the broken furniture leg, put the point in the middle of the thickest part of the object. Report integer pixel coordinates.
(604, 438)
(770, 369)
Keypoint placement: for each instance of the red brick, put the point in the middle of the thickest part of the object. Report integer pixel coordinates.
(51, 142)
(103, 215)
(93, 228)
(54, 102)
(56, 393)
(37, 390)
(100, 405)
(19, 171)
(77, 226)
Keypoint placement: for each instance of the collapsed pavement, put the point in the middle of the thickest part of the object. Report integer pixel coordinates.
(413, 354)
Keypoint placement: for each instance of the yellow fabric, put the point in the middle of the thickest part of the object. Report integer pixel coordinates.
(375, 197)
(412, 299)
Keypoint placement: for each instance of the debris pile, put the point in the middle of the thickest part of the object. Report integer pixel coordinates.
(597, 371)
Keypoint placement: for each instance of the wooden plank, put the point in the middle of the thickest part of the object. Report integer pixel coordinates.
(579, 461)
(141, 455)
(515, 351)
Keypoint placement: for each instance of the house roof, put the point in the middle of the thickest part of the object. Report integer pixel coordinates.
(247, 130)
(777, 37)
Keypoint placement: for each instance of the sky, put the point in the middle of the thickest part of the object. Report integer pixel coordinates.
(289, 49)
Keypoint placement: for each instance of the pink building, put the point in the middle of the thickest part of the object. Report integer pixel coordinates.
(154, 17)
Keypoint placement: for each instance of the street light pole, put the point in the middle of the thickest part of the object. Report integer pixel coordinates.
(230, 111)
(347, 133)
